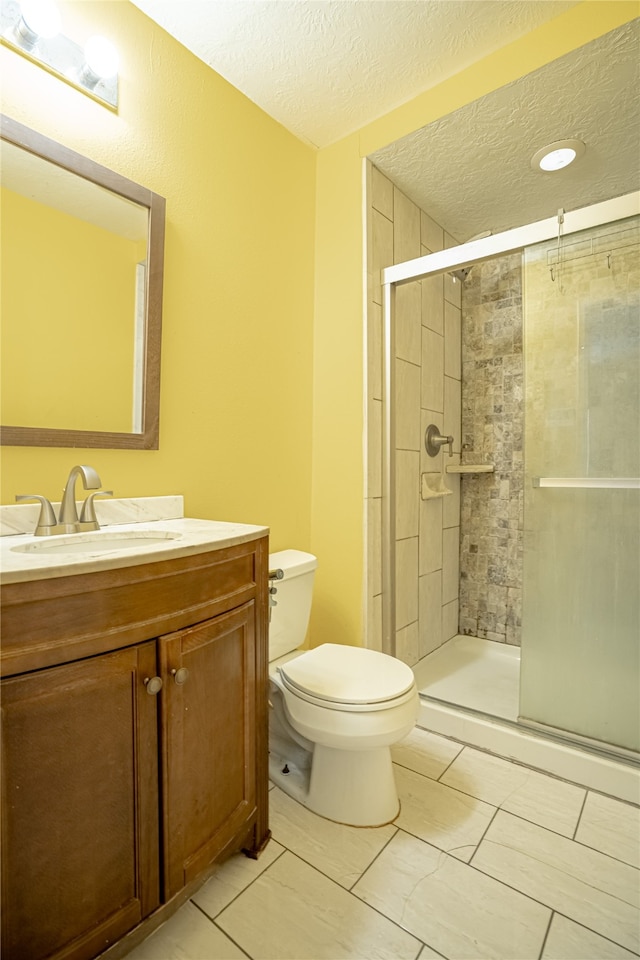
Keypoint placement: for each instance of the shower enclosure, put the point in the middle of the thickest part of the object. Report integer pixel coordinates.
(581, 615)
(575, 470)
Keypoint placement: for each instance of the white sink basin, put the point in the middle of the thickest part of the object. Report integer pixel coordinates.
(97, 542)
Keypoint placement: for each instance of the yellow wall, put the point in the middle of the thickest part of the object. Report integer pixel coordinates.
(338, 485)
(262, 390)
(235, 420)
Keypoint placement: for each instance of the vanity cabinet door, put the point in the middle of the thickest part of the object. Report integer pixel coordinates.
(80, 810)
(208, 741)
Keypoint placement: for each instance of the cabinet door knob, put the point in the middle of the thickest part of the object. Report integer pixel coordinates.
(153, 684)
(181, 675)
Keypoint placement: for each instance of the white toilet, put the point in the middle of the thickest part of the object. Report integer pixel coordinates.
(335, 710)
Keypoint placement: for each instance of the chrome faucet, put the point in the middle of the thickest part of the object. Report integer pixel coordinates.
(68, 510)
(47, 523)
(88, 519)
(68, 521)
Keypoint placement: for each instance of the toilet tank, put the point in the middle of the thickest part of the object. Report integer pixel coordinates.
(290, 617)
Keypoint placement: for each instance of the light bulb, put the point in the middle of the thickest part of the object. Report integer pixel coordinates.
(558, 159)
(101, 57)
(557, 155)
(41, 17)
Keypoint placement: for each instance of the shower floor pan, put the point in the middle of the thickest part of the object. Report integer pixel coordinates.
(469, 691)
(473, 673)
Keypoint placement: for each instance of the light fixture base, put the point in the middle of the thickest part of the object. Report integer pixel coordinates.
(557, 155)
(57, 55)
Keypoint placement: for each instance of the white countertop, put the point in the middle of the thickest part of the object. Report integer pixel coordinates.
(176, 536)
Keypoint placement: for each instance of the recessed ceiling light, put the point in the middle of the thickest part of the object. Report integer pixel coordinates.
(556, 156)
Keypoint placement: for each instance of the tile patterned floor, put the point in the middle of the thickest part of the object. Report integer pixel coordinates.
(487, 859)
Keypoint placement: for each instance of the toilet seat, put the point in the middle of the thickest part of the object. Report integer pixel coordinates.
(350, 679)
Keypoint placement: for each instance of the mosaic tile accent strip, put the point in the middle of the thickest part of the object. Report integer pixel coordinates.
(491, 520)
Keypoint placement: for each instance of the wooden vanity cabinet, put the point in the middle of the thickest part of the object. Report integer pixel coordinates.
(208, 741)
(116, 799)
(80, 808)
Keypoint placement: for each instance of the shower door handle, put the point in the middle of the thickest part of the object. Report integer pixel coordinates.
(593, 483)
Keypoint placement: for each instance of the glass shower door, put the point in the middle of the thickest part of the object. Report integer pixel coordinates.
(581, 614)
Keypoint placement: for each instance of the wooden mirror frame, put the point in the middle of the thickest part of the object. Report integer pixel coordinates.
(148, 438)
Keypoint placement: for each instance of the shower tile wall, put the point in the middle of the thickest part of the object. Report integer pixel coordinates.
(427, 372)
(492, 432)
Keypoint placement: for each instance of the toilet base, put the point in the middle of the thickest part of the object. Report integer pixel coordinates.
(351, 787)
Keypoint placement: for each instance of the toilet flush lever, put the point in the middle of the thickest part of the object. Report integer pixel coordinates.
(276, 574)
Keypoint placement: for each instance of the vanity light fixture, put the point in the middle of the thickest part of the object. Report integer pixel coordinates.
(100, 61)
(39, 19)
(557, 155)
(33, 29)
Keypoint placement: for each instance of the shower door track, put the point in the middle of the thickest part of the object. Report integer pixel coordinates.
(445, 261)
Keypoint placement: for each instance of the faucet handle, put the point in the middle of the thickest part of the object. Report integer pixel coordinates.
(434, 441)
(47, 522)
(88, 519)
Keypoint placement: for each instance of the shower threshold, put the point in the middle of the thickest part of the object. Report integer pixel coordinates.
(469, 691)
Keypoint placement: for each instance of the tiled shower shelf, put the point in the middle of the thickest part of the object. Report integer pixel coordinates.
(470, 468)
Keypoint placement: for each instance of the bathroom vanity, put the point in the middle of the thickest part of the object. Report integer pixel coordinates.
(134, 685)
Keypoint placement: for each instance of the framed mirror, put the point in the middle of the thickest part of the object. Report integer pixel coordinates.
(82, 263)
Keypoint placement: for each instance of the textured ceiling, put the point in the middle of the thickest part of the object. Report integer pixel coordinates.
(324, 69)
(471, 170)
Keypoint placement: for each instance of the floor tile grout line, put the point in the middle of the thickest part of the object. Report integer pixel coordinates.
(239, 894)
(565, 916)
(553, 909)
(380, 913)
(369, 865)
(322, 873)
(577, 827)
(486, 830)
(534, 823)
(584, 882)
(351, 893)
(546, 935)
(317, 869)
(490, 876)
(218, 927)
(578, 843)
(308, 864)
(450, 764)
(587, 846)
(520, 816)
(509, 886)
(405, 766)
(326, 875)
(420, 947)
(519, 763)
(446, 855)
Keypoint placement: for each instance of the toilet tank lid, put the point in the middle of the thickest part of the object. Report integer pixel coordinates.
(293, 563)
(346, 674)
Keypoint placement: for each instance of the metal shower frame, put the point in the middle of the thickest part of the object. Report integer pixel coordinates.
(444, 261)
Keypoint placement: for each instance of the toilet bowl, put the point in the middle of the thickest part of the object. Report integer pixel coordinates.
(335, 710)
